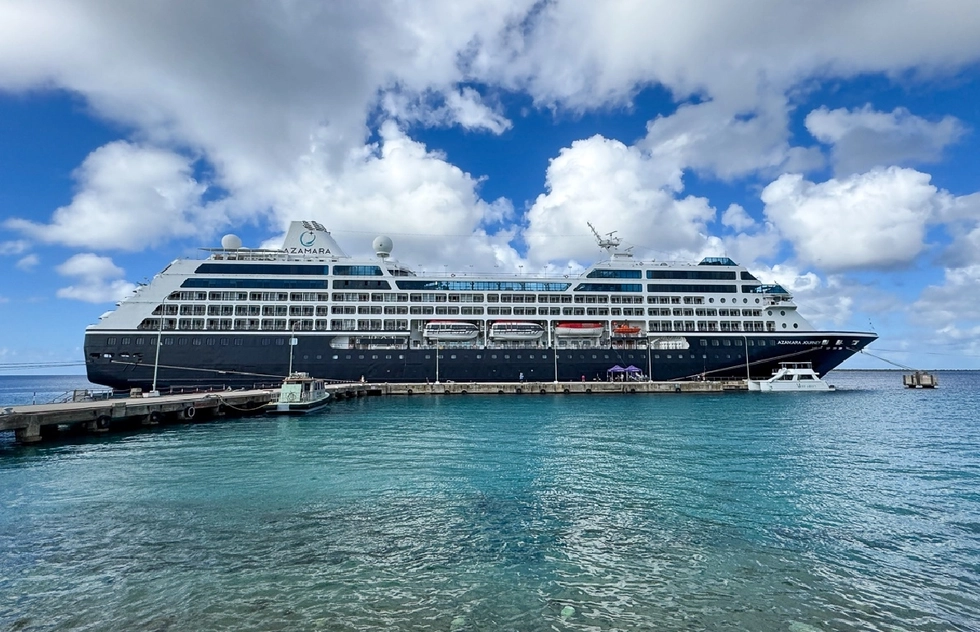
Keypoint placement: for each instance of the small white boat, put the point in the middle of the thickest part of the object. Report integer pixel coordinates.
(792, 376)
(299, 394)
(450, 330)
(515, 330)
(576, 330)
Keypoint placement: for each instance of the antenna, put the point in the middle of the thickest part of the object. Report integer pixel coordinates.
(609, 243)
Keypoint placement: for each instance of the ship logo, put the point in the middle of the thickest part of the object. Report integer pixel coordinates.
(307, 238)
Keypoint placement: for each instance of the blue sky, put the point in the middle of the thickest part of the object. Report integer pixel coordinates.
(831, 147)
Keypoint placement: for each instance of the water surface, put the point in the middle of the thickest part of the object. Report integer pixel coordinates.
(854, 510)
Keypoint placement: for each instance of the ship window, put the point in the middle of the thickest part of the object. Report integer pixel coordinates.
(704, 343)
(727, 343)
(266, 341)
(656, 356)
(110, 341)
(738, 343)
(493, 356)
(374, 357)
(691, 274)
(357, 271)
(452, 357)
(506, 357)
(762, 343)
(614, 274)
(796, 326)
(289, 284)
(196, 341)
(360, 357)
(784, 325)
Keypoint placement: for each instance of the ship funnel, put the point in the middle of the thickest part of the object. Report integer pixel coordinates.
(311, 238)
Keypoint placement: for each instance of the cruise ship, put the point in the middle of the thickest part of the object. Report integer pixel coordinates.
(242, 317)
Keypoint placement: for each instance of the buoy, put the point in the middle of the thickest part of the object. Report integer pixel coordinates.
(103, 422)
(567, 612)
(155, 416)
(189, 412)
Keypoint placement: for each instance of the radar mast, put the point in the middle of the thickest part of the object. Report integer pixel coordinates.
(610, 243)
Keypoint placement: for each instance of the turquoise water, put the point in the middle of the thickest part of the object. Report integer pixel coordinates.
(854, 510)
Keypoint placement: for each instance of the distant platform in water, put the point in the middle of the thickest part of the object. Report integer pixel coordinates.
(920, 379)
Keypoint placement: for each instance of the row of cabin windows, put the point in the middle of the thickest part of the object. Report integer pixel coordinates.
(446, 310)
(126, 341)
(436, 297)
(301, 324)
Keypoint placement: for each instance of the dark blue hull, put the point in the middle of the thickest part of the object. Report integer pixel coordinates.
(125, 360)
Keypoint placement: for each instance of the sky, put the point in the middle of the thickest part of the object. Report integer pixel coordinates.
(831, 147)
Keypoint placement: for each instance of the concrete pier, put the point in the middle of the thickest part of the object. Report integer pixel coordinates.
(36, 422)
(559, 388)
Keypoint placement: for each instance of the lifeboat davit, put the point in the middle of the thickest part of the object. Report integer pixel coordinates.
(515, 330)
(593, 330)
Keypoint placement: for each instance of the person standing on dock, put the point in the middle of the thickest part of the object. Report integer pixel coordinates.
(521, 377)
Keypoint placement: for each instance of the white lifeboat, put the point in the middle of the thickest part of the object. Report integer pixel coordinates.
(515, 330)
(579, 330)
(450, 330)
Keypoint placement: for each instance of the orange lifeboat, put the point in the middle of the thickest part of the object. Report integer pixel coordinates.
(626, 330)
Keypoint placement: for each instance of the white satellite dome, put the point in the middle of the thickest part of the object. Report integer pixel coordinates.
(382, 246)
(231, 242)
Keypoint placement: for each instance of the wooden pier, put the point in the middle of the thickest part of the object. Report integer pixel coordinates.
(32, 423)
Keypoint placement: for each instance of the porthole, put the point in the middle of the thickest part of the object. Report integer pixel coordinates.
(756, 300)
(796, 325)
(782, 312)
(745, 300)
(722, 300)
(784, 325)
(711, 300)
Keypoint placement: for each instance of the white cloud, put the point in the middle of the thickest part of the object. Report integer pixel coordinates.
(712, 138)
(97, 280)
(14, 247)
(400, 189)
(872, 220)
(130, 197)
(463, 107)
(589, 54)
(28, 263)
(614, 187)
(735, 217)
(947, 314)
(866, 138)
